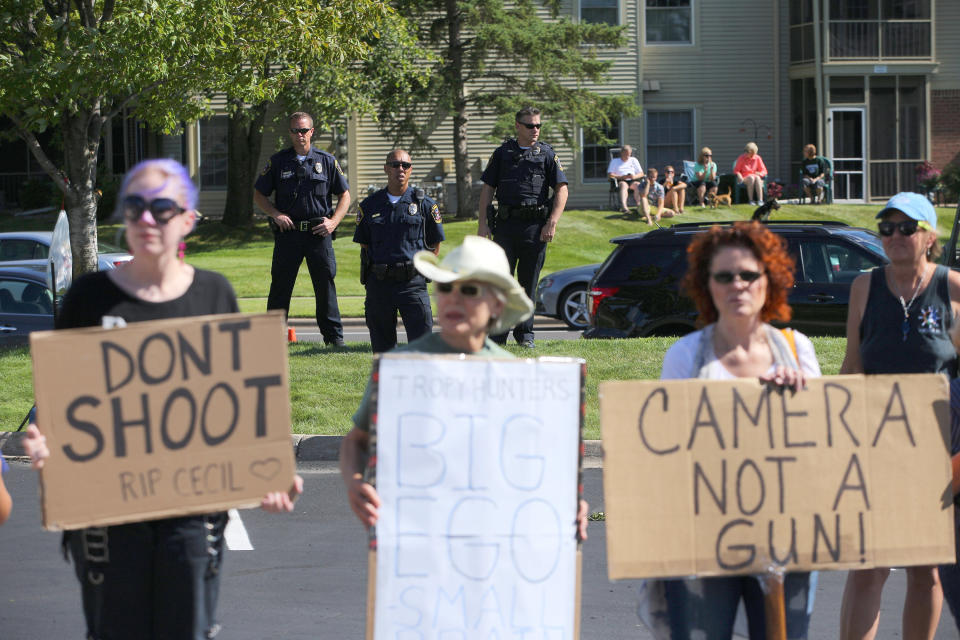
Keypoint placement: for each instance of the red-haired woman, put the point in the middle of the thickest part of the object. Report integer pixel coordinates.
(739, 278)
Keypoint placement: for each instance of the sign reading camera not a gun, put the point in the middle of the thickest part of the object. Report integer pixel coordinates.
(731, 477)
(477, 465)
(162, 418)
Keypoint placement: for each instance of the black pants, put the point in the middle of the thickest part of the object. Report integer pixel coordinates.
(289, 250)
(151, 580)
(384, 299)
(520, 240)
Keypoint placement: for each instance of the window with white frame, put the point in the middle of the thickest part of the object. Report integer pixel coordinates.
(213, 152)
(669, 21)
(669, 138)
(600, 11)
(595, 156)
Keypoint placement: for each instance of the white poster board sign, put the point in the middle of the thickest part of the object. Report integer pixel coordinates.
(477, 467)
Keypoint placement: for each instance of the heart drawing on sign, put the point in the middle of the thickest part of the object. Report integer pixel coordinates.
(265, 469)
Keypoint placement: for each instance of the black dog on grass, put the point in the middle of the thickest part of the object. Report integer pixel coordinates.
(762, 214)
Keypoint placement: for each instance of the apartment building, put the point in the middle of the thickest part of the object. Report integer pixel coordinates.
(875, 84)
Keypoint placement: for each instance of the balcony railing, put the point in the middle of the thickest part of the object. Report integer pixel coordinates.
(880, 40)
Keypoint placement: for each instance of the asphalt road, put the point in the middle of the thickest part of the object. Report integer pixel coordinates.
(306, 576)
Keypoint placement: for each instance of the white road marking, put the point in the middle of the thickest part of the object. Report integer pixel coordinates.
(236, 534)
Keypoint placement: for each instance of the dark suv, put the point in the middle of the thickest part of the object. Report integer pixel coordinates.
(636, 292)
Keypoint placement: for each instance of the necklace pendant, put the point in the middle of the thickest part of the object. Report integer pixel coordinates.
(905, 327)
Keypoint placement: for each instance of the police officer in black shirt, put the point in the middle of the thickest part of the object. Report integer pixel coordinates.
(522, 172)
(392, 225)
(303, 225)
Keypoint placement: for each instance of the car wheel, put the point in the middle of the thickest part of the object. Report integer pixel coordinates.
(574, 307)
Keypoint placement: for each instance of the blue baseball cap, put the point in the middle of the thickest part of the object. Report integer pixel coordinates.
(912, 205)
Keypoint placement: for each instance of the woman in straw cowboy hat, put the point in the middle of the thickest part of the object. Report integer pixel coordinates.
(476, 296)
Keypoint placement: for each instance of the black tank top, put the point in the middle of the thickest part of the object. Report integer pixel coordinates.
(925, 347)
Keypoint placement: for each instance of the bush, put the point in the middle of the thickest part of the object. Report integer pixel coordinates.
(38, 193)
(950, 180)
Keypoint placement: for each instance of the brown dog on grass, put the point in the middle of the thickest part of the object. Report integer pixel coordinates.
(725, 199)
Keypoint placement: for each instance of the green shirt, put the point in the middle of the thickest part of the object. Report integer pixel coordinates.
(430, 343)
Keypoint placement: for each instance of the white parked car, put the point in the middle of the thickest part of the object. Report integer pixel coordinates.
(32, 247)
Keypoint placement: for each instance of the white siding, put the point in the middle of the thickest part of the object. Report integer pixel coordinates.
(947, 44)
(727, 76)
(734, 74)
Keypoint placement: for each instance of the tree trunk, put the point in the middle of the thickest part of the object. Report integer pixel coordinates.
(81, 142)
(244, 140)
(466, 207)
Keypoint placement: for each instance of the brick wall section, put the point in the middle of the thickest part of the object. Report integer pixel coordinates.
(945, 127)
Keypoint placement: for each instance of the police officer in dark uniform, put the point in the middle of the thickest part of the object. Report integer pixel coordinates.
(392, 225)
(522, 172)
(303, 222)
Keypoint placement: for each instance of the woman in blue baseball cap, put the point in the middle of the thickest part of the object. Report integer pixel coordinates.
(899, 321)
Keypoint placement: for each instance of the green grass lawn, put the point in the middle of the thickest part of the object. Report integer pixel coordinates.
(244, 256)
(325, 386)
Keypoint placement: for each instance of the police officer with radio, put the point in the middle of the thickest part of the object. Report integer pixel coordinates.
(303, 222)
(392, 225)
(522, 172)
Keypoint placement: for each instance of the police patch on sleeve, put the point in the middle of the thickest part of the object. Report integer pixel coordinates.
(435, 211)
(336, 163)
(559, 164)
(266, 169)
(359, 215)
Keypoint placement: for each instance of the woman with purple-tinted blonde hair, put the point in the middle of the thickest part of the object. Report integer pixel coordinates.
(157, 578)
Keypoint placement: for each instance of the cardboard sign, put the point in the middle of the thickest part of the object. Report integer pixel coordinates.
(731, 477)
(477, 465)
(163, 418)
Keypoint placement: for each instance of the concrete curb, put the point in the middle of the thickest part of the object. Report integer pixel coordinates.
(306, 448)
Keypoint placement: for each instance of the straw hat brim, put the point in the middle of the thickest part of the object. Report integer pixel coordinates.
(518, 305)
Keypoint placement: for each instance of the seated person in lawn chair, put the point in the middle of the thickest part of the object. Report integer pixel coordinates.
(622, 172)
(814, 175)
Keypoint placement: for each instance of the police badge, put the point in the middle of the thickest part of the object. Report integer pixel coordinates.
(413, 208)
(317, 167)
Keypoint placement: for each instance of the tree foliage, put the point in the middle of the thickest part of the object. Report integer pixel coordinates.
(497, 57)
(74, 64)
(380, 61)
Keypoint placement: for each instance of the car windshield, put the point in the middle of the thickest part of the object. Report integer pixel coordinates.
(867, 239)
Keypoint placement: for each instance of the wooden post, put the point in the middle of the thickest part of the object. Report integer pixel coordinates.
(773, 604)
(371, 591)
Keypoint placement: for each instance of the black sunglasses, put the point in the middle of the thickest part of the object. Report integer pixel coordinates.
(726, 277)
(395, 164)
(163, 210)
(301, 130)
(529, 125)
(906, 227)
(708, 155)
(466, 290)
